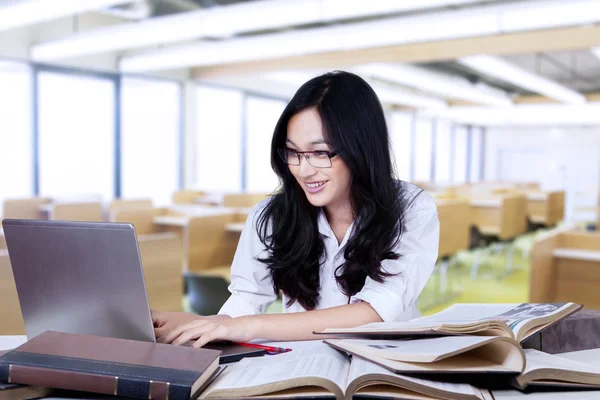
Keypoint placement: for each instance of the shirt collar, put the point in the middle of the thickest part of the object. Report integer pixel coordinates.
(325, 228)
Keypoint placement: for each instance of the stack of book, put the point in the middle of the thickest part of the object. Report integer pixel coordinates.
(459, 353)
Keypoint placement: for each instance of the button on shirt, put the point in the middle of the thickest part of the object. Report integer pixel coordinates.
(394, 300)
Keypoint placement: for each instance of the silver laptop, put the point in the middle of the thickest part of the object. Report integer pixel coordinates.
(79, 277)
(86, 277)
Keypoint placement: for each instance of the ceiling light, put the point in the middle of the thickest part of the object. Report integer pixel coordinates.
(442, 85)
(495, 19)
(507, 72)
(20, 13)
(223, 21)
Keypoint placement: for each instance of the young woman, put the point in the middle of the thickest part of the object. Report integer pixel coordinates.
(343, 240)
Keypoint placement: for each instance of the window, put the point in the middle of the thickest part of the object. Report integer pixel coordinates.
(76, 135)
(218, 145)
(16, 139)
(261, 116)
(460, 154)
(401, 138)
(150, 138)
(475, 172)
(423, 143)
(443, 149)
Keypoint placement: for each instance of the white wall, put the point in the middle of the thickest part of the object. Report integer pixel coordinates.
(558, 158)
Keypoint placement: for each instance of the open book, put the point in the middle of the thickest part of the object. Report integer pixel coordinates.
(516, 321)
(550, 370)
(441, 355)
(320, 371)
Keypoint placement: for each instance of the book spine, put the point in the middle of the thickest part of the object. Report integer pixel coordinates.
(90, 382)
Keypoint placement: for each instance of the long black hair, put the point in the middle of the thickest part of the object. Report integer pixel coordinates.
(354, 124)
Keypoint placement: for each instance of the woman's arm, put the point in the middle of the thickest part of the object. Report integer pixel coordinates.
(292, 326)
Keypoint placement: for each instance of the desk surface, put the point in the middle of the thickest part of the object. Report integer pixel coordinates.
(235, 227)
(586, 356)
(576, 254)
(486, 202)
(537, 196)
(170, 220)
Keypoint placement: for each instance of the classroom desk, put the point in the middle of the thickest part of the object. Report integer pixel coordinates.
(210, 199)
(537, 196)
(491, 203)
(235, 227)
(586, 356)
(576, 254)
(171, 220)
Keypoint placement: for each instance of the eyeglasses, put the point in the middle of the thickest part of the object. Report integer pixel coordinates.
(318, 159)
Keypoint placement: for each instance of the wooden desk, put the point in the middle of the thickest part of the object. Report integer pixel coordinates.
(210, 199)
(504, 217)
(546, 208)
(171, 221)
(575, 254)
(566, 267)
(537, 196)
(10, 310)
(487, 203)
(235, 227)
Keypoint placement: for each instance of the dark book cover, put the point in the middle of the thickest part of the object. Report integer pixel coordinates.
(109, 366)
(579, 331)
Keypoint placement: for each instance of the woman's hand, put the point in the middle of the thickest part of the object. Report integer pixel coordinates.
(179, 328)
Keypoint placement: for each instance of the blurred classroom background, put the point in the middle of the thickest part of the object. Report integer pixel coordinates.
(160, 113)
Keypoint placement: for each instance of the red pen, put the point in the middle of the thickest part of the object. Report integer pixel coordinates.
(268, 349)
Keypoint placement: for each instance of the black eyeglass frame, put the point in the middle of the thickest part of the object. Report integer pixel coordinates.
(282, 154)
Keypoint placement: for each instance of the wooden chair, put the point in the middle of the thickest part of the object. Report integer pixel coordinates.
(10, 309)
(162, 260)
(210, 247)
(243, 200)
(141, 219)
(455, 229)
(504, 217)
(566, 267)
(87, 211)
(186, 196)
(455, 226)
(24, 208)
(546, 208)
(128, 204)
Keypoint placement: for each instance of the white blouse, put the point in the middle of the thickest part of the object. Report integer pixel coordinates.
(394, 300)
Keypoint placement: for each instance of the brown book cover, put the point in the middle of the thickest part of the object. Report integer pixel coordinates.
(110, 366)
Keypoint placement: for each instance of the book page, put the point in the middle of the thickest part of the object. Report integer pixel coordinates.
(513, 314)
(517, 317)
(360, 367)
(538, 360)
(418, 350)
(455, 314)
(319, 360)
